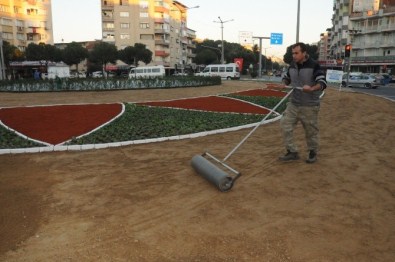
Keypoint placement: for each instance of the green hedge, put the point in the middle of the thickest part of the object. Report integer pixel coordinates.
(92, 84)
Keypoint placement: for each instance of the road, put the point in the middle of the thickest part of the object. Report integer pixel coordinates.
(387, 91)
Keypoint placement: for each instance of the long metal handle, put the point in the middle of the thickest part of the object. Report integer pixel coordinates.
(259, 123)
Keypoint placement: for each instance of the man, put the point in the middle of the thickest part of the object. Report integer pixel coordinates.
(308, 81)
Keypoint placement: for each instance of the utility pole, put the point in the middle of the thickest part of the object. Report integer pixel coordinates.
(2, 64)
(260, 53)
(222, 37)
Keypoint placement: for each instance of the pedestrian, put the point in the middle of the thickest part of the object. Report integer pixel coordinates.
(308, 80)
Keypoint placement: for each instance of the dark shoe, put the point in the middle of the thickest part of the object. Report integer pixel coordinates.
(289, 156)
(312, 157)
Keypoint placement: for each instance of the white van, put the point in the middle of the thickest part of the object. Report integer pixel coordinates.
(226, 71)
(147, 71)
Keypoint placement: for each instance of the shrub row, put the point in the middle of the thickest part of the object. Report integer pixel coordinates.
(92, 84)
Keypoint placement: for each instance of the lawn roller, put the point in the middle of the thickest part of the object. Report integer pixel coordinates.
(216, 171)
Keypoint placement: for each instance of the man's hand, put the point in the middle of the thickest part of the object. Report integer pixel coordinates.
(309, 89)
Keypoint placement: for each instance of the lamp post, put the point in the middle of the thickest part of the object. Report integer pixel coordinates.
(298, 22)
(2, 64)
(222, 36)
(264, 68)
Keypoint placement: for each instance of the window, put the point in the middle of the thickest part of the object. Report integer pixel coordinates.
(124, 36)
(108, 36)
(214, 69)
(31, 11)
(222, 69)
(108, 25)
(146, 37)
(108, 13)
(144, 25)
(124, 14)
(144, 14)
(144, 4)
(7, 35)
(17, 10)
(125, 25)
(229, 69)
(6, 22)
(5, 9)
(20, 23)
(20, 36)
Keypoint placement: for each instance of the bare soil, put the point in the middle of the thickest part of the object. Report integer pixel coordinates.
(145, 202)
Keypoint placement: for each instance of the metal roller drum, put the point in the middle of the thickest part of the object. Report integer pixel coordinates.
(212, 173)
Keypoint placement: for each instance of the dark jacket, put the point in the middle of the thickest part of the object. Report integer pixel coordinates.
(307, 73)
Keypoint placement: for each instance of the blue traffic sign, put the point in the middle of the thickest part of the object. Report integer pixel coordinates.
(276, 38)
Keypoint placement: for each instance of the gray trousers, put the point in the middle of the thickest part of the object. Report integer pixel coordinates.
(308, 116)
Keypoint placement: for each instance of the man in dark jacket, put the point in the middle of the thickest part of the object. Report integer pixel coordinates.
(308, 81)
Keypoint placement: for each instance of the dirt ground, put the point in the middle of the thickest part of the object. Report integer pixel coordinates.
(145, 202)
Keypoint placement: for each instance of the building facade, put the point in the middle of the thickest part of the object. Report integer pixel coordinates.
(26, 21)
(159, 24)
(369, 26)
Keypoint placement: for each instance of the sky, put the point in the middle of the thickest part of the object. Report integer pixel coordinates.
(260, 17)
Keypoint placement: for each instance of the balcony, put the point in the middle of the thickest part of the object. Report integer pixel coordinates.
(162, 31)
(161, 53)
(161, 9)
(162, 42)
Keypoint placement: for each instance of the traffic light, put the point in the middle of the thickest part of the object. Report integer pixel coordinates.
(347, 51)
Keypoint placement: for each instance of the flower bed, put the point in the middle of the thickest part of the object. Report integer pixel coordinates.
(73, 124)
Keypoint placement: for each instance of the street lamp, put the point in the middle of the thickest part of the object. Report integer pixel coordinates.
(2, 64)
(264, 69)
(222, 37)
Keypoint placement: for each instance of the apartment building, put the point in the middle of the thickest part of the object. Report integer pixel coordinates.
(159, 24)
(369, 26)
(26, 21)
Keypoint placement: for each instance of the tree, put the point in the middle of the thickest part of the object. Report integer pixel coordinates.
(11, 53)
(208, 52)
(41, 51)
(74, 53)
(312, 51)
(133, 54)
(103, 53)
(206, 57)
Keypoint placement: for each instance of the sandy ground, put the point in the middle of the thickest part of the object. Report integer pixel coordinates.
(145, 203)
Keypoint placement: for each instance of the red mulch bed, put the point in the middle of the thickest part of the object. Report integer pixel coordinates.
(56, 124)
(211, 103)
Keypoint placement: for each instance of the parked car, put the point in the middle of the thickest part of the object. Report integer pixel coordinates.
(77, 75)
(361, 80)
(97, 74)
(385, 79)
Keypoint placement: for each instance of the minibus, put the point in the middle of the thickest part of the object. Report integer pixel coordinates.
(147, 71)
(226, 71)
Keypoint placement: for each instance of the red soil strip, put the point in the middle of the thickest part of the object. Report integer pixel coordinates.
(211, 103)
(261, 92)
(56, 124)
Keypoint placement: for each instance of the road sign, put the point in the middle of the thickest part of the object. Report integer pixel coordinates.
(276, 38)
